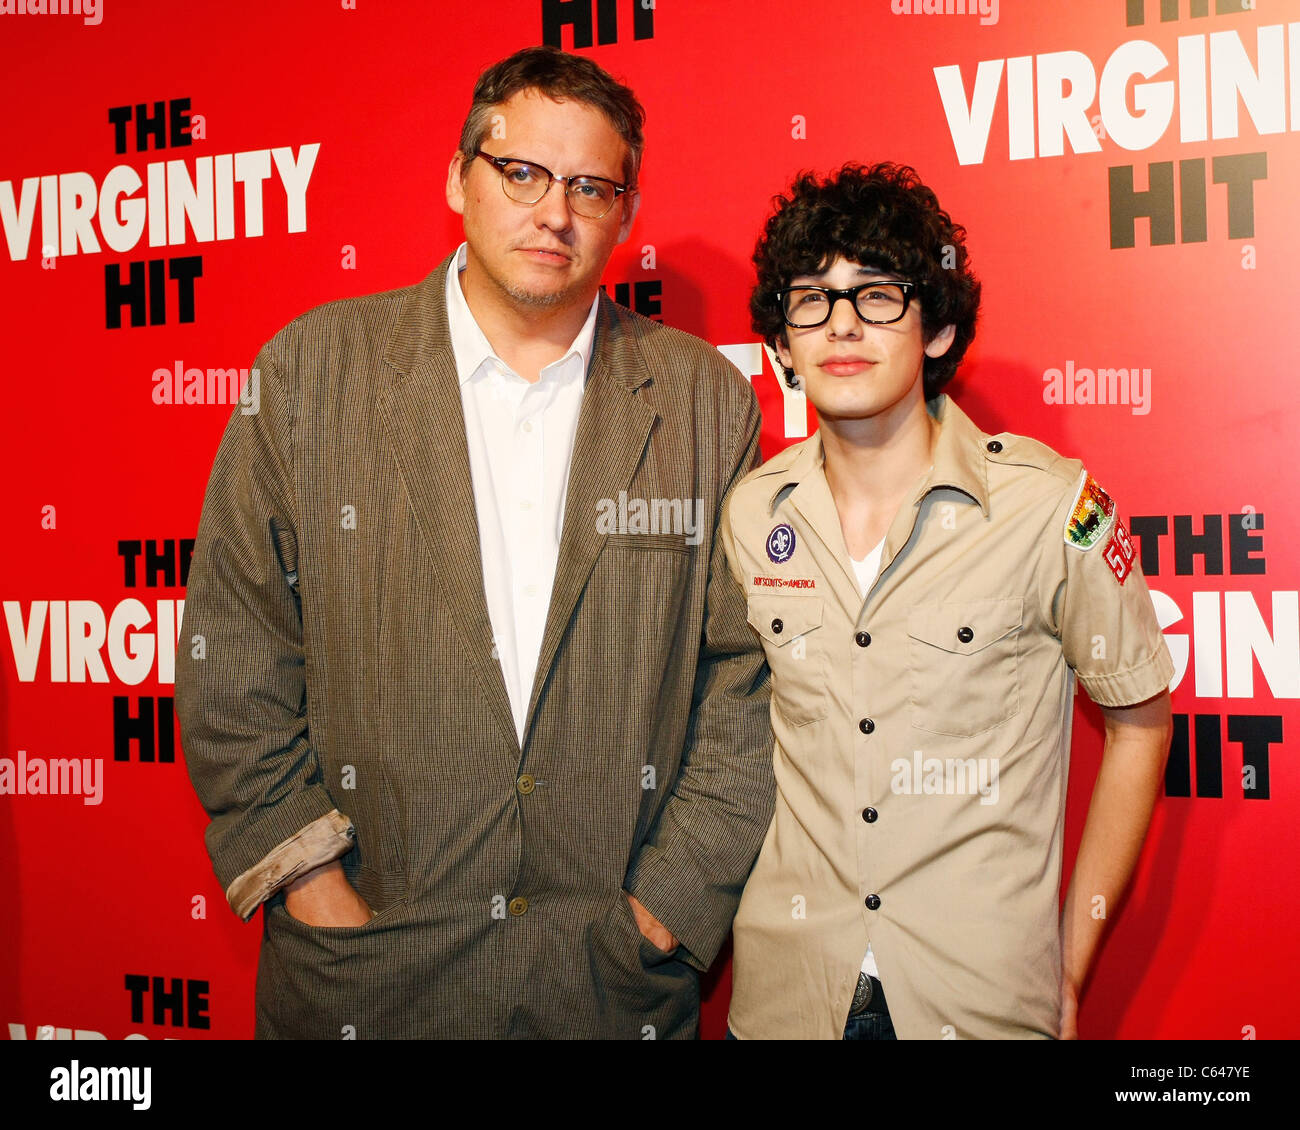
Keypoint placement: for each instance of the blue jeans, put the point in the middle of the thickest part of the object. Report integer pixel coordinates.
(864, 1026)
(870, 1026)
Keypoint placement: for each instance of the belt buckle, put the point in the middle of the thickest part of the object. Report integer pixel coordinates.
(861, 995)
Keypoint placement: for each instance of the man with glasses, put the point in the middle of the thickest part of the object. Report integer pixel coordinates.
(926, 595)
(492, 768)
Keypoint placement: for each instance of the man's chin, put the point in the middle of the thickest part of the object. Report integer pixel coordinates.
(539, 299)
(837, 402)
(536, 293)
(847, 411)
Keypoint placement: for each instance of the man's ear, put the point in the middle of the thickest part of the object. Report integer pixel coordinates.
(782, 351)
(455, 185)
(631, 205)
(938, 345)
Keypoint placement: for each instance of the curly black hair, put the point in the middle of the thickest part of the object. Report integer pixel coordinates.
(878, 216)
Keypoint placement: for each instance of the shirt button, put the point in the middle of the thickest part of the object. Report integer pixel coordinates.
(994, 446)
(519, 906)
(863, 639)
(526, 784)
(528, 425)
(873, 902)
(866, 725)
(530, 590)
(525, 505)
(870, 815)
(777, 625)
(965, 635)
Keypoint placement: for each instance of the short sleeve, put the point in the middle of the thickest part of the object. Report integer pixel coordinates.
(1107, 622)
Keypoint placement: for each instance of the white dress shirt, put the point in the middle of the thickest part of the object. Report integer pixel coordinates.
(520, 444)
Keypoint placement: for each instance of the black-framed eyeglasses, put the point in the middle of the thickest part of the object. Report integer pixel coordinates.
(526, 183)
(878, 303)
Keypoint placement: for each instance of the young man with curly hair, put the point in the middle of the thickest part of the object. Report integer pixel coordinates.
(927, 595)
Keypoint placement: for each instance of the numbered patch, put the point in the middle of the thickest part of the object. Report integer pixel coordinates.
(1118, 553)
(1092, 517)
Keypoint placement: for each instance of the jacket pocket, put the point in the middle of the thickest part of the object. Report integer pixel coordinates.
(964, 665)
(377, 920)
(649, 953)
(644, 992)
(675, 542)
(329, 982)
(794, 641)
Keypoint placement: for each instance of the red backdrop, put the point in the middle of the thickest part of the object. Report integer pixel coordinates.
(1044, 128)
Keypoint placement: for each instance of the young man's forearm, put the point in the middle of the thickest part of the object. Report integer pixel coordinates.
(1128, 783)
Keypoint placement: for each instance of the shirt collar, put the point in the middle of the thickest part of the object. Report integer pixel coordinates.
(471, 348)
(959, 458)
(960, 454)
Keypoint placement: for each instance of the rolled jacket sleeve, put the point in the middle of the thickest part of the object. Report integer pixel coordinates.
(240, 675)
(321, 842)
(691, 871)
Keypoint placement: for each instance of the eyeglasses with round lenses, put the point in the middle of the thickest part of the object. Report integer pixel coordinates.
(877, 303)
(526, 183)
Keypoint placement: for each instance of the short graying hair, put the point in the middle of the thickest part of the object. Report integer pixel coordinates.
(559, 76)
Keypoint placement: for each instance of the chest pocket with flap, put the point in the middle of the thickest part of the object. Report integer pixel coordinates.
(793, 638)
(964, 664)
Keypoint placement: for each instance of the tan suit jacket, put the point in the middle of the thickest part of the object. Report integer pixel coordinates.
(346, 663)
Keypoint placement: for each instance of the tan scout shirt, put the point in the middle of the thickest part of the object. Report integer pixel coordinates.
(923, 735)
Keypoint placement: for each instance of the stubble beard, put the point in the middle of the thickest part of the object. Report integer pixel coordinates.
(532, 298)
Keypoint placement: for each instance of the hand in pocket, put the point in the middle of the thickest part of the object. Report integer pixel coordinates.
(324, 897)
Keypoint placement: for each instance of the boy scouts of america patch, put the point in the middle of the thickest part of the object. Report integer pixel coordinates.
(780, 543)
(1092, 517)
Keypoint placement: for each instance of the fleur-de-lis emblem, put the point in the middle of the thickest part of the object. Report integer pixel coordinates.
(780, 543)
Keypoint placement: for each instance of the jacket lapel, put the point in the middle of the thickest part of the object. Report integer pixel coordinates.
(422, 412)
(613, 427)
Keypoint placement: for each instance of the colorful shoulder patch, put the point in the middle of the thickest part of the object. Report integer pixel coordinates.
(1091, 518)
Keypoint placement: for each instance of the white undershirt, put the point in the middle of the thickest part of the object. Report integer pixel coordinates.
(520, 437)
(867, 569)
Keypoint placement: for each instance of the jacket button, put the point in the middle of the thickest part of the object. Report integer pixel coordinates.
(994, 446)
(519, 906)
(965, 635)
(777, 625)
(863, 639)
(525, 784)
(873, 902)
(866, 725)
(870, 815)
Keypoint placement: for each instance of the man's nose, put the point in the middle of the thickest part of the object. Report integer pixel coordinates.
(844, 320)
(553, 208)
